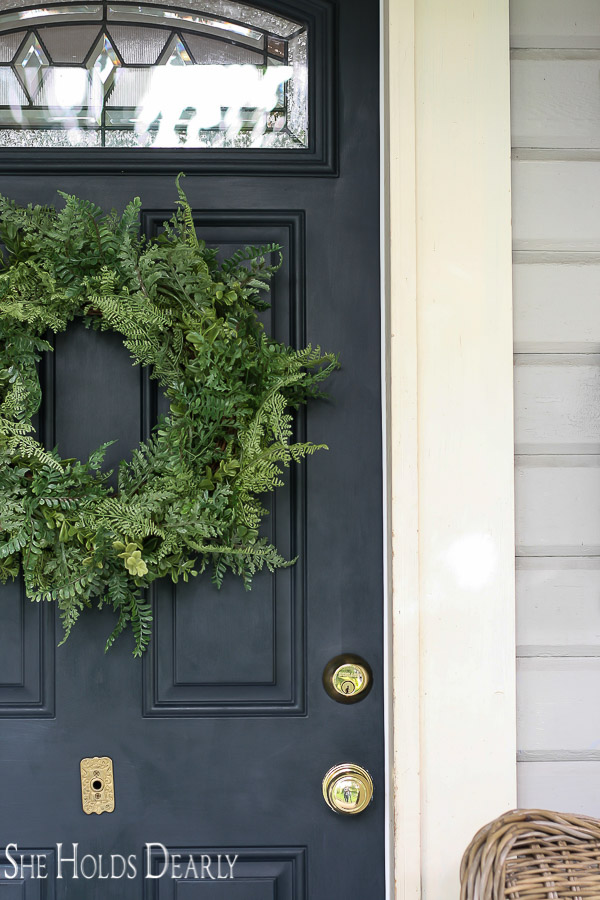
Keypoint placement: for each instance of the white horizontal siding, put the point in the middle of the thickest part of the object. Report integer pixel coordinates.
(560, 785)
(555, 98)
(556, 302)
(558, 505)
(556, 229)
(558, 609)
(554, 23)
(558, 713)
(557, 403)
(556, 203)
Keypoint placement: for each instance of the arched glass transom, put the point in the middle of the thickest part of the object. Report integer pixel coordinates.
(210, 74)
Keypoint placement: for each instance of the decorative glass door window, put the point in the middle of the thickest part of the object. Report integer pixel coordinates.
(212, 73)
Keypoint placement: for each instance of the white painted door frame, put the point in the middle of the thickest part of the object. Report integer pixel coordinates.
(448, 336)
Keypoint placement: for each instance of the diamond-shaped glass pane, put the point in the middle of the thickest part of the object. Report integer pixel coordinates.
(32, 57)
(177, 54)
(104, 59)
(30, 64)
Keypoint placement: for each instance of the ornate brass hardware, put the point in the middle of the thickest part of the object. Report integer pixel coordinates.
(348, 789)
(347, 678)
(97, 784)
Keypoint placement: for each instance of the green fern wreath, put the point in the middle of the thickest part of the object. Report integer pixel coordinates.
(190, 496)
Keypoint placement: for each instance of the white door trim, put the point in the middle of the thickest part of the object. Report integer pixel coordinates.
(450, 430)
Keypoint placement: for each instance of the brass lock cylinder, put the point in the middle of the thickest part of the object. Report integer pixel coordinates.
(347, 678)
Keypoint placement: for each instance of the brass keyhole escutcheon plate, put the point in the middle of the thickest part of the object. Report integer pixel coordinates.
(347, 678)
(97, 784)
(347, 789)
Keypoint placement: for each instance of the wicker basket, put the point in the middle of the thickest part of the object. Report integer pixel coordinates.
(533, 854)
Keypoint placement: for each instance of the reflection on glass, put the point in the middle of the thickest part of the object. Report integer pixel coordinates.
(235, 78)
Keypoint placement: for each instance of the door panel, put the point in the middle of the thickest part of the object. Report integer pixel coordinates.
(232, 656)
(27, 656)
(195, 667)
(221, 736)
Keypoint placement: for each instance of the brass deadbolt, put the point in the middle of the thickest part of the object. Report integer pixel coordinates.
(347, 789)
(347, 678)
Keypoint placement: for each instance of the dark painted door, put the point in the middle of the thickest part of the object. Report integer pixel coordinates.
(221, 736)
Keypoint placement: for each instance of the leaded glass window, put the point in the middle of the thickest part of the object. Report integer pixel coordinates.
(212, 73)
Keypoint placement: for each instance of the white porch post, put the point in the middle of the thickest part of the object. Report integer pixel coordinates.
(450, 439)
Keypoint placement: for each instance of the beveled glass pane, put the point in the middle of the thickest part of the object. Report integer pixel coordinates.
(32, 56)
(104, 59)
(64, 14)
(249, 15)
(9, 44)
(177, 53)
(52, 119)
(189, 20)
(276, 47)
(30, 64)
(153, 76)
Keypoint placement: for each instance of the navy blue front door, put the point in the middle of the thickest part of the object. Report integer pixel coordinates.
(221, 735)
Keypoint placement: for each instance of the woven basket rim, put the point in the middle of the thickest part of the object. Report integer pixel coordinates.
(533, 854)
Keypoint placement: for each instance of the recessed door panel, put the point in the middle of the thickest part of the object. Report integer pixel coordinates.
(234, 652)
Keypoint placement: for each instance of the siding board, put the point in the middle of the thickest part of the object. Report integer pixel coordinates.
(556, 303)
(555, 98)
(557, 403)
(557, 708)
(560, 785)
(556, 204)
(554, 23)
(558, 609)
(557, 505)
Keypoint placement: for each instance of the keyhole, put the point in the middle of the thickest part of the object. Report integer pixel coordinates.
(97, 784)
(348, 687)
